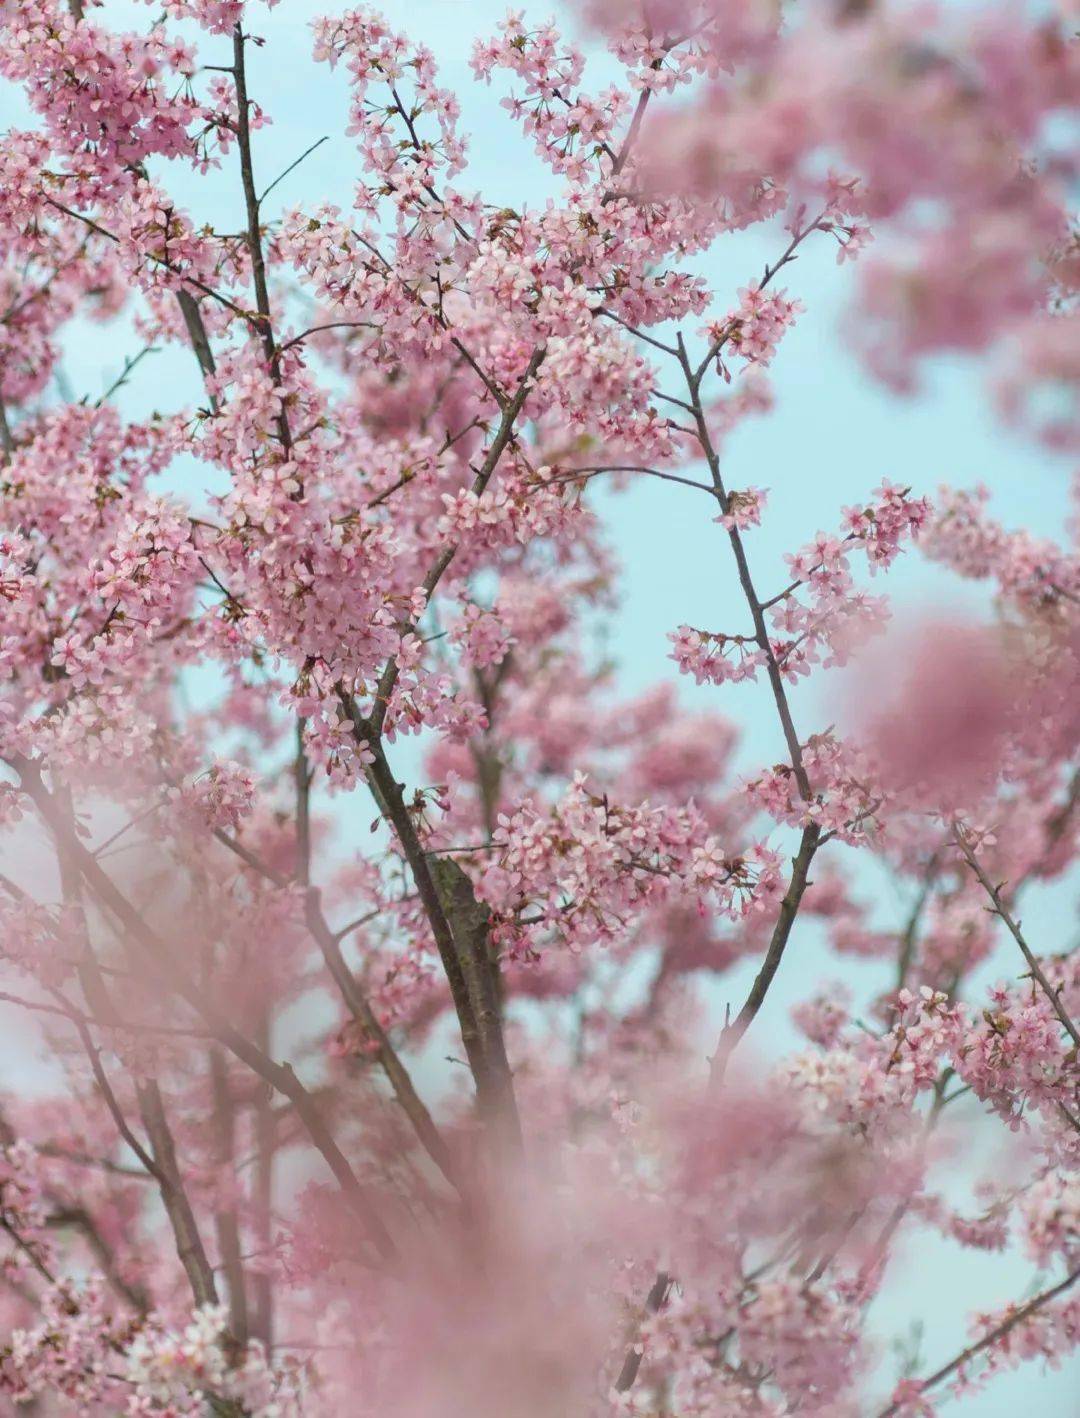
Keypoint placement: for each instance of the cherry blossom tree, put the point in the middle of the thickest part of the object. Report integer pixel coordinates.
(371, 934)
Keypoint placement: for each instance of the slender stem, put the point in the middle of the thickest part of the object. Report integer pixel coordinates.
(788, 254)
(121, 380)
(113, 1105)
(356, 1002)
(292, 166)
(911, 931)
(572, 475)
(75, 1016)
(29, 1251)
(732, 1033)
(254, 230)
(761, 629)
(329, 943)
(332, 325)
(511, 410)
(103, 1164)
(639, 334)
(1000, 909)
(635, 127)
(226, 1220)
(302, 777)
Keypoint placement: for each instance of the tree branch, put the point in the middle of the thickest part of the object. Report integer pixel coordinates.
(280, 1076)
(1001, 910)
(329, 943)
(732, 1033)
(990, 1338)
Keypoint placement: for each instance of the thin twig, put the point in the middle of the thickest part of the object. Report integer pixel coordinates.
(573, 475)
(503, 435)
(1001, 910)
(190, 280)
(121, 380)
(292, 166)
(329, 943)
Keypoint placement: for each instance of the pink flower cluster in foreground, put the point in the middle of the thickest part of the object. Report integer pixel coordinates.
(389, 1078)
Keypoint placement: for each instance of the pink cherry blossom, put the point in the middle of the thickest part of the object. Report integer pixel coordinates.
(402, 992)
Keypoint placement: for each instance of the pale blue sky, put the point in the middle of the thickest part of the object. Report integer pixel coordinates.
(832, 437)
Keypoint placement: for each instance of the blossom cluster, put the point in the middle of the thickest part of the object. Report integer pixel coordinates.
(592, 867)
(245, 922)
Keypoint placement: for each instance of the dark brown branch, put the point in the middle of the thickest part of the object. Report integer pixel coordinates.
(470, 927)
(733, 1032)
(332, 325)
(486, 1055)
(302, 781)
(632, 1360)
(185, 1229)
(254, 230)
(466, 967)
(200, 340)
(188, 279)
